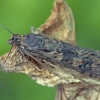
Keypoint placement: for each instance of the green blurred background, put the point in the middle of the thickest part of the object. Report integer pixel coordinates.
(18, 16)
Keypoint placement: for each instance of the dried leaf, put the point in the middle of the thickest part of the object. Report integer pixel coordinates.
(65, 26)
(17, 63)
(60, 24)
(77, 91)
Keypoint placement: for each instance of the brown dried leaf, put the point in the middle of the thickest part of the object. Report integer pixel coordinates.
(66, 28)
(17, 63)
(60, 24)
(77, 91)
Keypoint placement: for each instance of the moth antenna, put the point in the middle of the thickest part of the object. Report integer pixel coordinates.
(7, 29)
(11, 47)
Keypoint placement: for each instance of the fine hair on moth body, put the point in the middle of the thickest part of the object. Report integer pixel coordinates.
(15, 41)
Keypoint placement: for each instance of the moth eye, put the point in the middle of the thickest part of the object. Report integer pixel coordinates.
(13, 38)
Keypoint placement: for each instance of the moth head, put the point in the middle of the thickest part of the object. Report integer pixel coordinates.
(15, 40)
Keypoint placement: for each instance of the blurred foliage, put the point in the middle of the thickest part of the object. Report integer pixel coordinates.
(18, 16)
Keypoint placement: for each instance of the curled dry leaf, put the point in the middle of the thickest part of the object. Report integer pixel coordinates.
(60, 25)
(18, 63)
(77, 91)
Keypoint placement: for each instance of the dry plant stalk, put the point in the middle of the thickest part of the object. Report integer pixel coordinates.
(59, 25)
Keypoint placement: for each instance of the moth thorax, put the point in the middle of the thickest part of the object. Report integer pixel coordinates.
(15, 40)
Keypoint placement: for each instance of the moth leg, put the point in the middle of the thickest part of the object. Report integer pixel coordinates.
(28, 54)
(56, 67)
(32, 29)
(19, 64)
(36, 31)
(51, 69)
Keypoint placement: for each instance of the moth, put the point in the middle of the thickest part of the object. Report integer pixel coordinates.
(70, 59)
